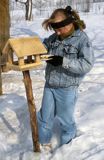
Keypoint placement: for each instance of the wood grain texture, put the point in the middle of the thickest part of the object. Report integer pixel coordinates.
(32, 110)
(27, 46)
(4, 32)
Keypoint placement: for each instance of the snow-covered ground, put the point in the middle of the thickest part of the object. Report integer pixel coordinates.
(15, 131)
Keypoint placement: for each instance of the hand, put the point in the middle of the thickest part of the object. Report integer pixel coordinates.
(55, 60)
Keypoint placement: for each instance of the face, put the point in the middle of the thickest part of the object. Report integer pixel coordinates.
(63, 31)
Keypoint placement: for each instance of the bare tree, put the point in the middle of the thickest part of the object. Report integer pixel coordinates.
(88, 2)
(4, 31)
(60, 3)
(39, 4)
(28, 8)
(69, 2)
(83, 5)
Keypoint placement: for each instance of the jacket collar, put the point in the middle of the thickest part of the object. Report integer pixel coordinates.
(76, 33)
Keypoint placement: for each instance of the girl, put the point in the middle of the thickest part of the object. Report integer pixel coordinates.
(72, 59)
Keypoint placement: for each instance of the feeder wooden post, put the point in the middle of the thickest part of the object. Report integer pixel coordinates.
(32, 110)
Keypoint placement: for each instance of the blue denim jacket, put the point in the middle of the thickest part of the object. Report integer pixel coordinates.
(78, 59)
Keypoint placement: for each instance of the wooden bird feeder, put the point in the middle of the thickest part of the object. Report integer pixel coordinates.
(22, 55)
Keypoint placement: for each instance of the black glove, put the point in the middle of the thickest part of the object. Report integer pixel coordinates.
(55, 60)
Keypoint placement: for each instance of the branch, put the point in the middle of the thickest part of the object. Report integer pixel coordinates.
(21, 2)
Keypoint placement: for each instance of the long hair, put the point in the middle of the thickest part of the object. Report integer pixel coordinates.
(78, 23)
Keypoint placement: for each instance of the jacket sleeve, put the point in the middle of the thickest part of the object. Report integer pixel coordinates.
(84, 62)
(46, 43)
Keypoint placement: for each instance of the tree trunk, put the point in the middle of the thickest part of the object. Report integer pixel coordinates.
(88, 6)
(0, 83)
(28, 9)
(4, 30)
(28, 6)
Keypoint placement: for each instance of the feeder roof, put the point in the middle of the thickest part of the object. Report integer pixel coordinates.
(27, 46)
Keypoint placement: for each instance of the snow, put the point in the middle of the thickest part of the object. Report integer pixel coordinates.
(15, 131)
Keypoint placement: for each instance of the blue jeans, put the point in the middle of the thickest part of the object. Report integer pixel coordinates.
(60, 103)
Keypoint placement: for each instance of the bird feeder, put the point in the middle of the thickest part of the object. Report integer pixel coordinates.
(24, 53)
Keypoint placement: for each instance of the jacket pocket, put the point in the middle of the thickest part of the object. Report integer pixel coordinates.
(71, 51)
